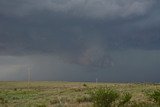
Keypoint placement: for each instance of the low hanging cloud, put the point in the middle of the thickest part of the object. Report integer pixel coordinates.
(78, 8)
(129, 66)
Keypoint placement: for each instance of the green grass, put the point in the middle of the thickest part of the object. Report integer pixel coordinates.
(69, 94)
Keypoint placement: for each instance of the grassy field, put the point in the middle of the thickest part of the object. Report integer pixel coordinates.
(68, 94)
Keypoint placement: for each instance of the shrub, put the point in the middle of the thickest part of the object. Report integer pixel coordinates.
(54, 101)
(103, 97)
(85, 85)
(15, 89)
(125, 99)
(155, 95)
(3, 101)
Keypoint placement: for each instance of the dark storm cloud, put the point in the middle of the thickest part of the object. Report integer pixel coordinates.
(75, 26)
(79, 8)
(113, 22)
(85, 35)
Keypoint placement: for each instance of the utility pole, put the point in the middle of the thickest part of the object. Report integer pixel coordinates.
(29, 77)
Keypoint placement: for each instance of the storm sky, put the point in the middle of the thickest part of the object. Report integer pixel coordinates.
(80, 40)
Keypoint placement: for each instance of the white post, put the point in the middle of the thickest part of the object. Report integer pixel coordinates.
(96, 80)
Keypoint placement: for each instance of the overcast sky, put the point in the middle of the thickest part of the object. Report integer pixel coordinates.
(80, 40)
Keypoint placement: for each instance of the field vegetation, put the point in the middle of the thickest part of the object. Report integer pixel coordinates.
(79, 94)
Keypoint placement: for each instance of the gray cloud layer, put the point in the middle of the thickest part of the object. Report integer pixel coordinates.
(79, 8)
